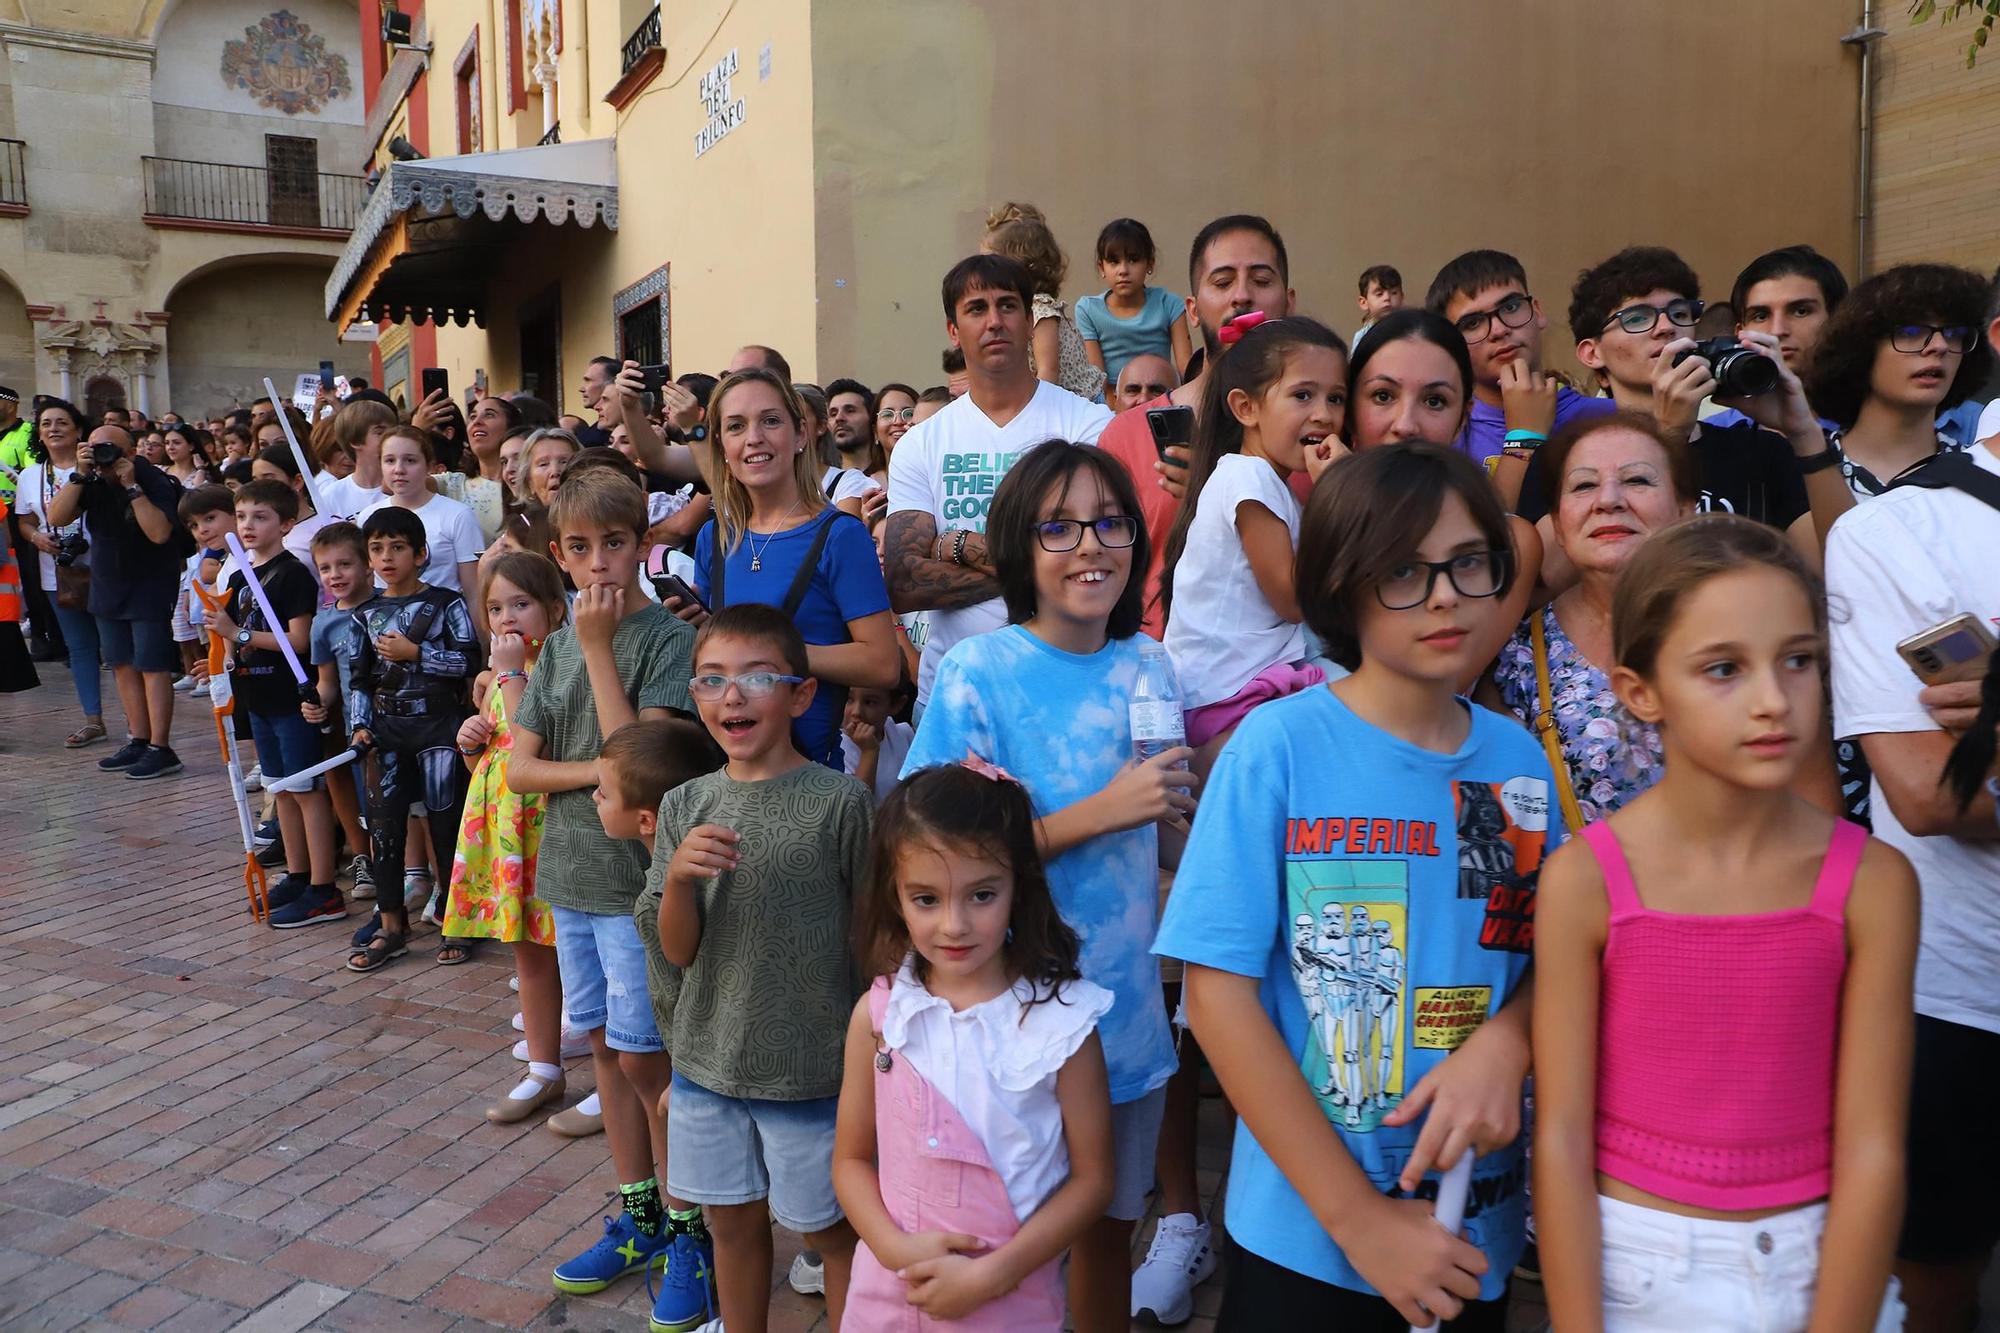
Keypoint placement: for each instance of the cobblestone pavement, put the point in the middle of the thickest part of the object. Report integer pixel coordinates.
(206, 1124)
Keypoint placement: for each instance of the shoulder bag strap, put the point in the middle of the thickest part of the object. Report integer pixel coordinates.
(1545, 724)
(1956, 471)
(795, 596)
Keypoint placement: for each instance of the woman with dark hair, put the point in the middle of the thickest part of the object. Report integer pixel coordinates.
(187, 460)
(59, 431)
(1904, 347)
(1409, 379)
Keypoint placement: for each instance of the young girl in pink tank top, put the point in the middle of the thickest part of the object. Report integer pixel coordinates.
(974, 1140)
(1722, 1023)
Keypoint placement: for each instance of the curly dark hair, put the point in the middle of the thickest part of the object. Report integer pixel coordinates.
(1626, 276)
(1843, 365)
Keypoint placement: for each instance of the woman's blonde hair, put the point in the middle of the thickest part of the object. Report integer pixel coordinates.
(732, 498)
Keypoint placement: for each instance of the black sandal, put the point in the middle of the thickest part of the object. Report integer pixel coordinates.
(456, 949)
(378, 952)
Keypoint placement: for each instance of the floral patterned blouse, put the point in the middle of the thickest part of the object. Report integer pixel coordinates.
(1073, 368)
(1611, 756)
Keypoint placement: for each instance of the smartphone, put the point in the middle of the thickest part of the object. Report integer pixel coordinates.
(479, 381)
(1170, 426)
(1951, 650)
(435, 380)
(341, 388)
(669, 585)
(656, 377)
(326, 372)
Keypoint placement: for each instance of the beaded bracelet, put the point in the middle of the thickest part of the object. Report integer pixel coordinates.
(504, 676)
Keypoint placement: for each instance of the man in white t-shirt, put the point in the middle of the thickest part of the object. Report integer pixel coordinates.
(943, 473)
(1905, 561)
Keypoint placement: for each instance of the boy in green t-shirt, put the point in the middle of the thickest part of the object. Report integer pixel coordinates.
(756, 867)
(620, 658)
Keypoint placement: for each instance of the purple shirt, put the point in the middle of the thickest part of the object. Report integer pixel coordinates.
(1486, 430)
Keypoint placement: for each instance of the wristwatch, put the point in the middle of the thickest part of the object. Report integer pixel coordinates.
(134, 491)
(243, 638)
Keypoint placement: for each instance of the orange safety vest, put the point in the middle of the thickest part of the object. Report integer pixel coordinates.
(10, 580)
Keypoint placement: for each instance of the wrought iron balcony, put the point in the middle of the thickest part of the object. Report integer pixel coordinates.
(553, 136)
(13, 177)
(226, 197)
(644, 38)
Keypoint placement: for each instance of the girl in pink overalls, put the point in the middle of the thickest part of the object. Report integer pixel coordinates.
(974, 1141)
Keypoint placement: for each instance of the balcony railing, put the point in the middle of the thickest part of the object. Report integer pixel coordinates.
(13, 175)
(554, 135)
(233, 197)
(644, 38)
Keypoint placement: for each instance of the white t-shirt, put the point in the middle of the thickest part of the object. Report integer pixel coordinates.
(1901, 563)
(29, 498)
(896, 737)
(1989, 422)
(345, 498)
(452, 534)
(949, 465)
(299, 541)
(1221, 632)
(844, 483)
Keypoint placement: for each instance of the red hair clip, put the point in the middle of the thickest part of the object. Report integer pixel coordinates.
(1232, 330)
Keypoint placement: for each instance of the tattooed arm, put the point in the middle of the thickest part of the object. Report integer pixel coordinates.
(920, 582)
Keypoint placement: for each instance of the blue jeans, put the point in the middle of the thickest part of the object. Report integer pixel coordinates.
(603, 967)
(286, 744)
(79, 631)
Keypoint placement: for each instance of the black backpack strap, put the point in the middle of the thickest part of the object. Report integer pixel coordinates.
(718, 560)
(1955, 471)
(802, 580)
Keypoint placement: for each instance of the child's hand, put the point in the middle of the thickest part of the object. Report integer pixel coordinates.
(313, 713)
(362, 739)
(395, 647)
(509, 653)
(865, 735)
(598, 609)
(1321, 456)
(474, 733)
(691, 612)
(915, 1247)
(707, 851)
(1420, 1268)
(1155, 790)
(1474, 1097)
(1528, 398)
(952, 1286)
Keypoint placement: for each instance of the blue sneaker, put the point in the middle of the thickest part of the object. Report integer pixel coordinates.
(686, 1298)
(624, 1249)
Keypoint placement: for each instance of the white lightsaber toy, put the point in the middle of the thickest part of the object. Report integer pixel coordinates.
(1453, 1188)
(313, 482)
(303, 779)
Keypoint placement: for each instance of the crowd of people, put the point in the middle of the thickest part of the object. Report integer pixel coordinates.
(902, 796)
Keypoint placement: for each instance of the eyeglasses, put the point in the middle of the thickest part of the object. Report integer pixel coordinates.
(1472, 574)
(1641, 318)
(897, 414)
(1917, 337)
(1513, 311)
(1057, 535)
(753, 684)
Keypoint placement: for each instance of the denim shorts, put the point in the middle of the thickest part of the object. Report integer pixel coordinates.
(728, 1150)
(145, 644)
(603, 968)
(286, 744)
(1135, 1138)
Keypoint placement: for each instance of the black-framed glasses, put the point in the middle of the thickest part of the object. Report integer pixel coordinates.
(1057, 535)
(1514, 310)
(1472, 573)
(1682, 313)
(753, 684)
(1916, 337)
(897, 414)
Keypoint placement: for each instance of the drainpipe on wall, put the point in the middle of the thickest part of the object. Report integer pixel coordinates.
(1864, 36)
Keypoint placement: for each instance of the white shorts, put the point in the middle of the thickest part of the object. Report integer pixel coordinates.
(1664, 1273)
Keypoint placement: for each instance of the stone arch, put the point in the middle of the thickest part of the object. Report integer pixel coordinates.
(100, 394)
(17, 340)
(232, 322)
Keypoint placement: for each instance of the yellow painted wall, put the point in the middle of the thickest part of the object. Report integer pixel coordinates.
(1937, 148)
(1368, 133)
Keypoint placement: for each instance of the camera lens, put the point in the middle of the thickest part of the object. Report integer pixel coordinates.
(1743, 373)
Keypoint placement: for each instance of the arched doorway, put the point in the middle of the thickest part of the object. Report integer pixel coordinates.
(17, 342)
(221, 343)
(100, 394)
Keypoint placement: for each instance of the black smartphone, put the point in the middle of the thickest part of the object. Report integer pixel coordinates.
(435, 380)
(656, 377)
(673, 585)
(1170, 426)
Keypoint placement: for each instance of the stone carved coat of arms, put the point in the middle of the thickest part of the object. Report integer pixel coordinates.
(285, 66)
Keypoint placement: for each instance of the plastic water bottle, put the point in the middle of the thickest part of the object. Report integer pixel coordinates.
(1157, 725)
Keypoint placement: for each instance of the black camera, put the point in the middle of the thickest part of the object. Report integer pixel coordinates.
(104, 453)
(1740, 372)
(69, 548)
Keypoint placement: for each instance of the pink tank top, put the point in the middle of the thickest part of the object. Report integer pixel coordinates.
(1716, 1039)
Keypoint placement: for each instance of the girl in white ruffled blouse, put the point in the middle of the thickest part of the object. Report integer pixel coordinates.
(974, 1138)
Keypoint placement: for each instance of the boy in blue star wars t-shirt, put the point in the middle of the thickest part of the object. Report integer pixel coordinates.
(1355, 907)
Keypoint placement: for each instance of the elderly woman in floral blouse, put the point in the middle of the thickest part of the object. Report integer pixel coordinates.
(1618, 479)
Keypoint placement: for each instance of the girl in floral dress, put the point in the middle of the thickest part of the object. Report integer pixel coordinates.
(493, 873)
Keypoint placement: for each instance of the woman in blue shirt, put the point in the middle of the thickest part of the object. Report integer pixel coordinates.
(781, 544)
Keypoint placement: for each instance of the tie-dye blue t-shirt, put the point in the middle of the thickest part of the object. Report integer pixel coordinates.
(1060, 723)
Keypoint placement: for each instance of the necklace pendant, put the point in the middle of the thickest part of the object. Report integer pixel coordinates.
(755, 564)
(882, 1061)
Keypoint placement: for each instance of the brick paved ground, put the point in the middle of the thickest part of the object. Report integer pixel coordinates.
(207, 1124)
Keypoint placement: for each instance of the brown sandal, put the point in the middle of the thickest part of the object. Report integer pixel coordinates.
(513, 1110)
(84, 735)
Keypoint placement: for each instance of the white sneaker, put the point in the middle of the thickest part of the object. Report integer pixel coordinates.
(575, 1045)
(1178, 1260)
(712, 1326)
(183, 684)
(514, 983)
(254, 779)
(520, 1023)
(808, 1275)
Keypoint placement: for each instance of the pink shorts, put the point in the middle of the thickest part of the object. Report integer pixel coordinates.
(1273, 682)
